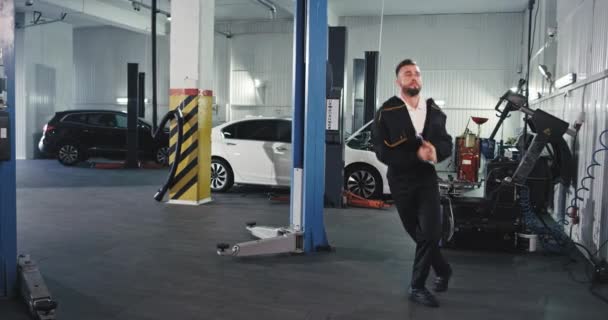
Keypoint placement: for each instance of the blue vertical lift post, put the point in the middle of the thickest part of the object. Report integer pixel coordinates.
(15, 272)
(8, 215)
(306, 232)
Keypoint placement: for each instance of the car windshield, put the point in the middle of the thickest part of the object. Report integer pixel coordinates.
(145, 122)
(361, 139)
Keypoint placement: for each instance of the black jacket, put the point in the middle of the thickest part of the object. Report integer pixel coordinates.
(394, 135)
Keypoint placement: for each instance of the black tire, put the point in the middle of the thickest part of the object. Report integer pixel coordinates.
(69, 154)
(222, 177)
(364, 181)
(161, 156)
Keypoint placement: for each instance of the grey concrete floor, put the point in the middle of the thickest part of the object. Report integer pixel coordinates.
(109, 251)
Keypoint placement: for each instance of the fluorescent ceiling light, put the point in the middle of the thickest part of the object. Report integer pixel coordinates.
(545, 72)
(258, 83)
(125, 101)
(534, 95)
(566, 80)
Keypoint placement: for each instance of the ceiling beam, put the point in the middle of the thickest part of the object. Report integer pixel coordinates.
(108, 14)
(287, 5)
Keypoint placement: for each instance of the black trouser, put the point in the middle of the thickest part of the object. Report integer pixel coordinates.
(416, 195)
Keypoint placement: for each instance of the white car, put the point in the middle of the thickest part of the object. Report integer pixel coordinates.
(257, 151)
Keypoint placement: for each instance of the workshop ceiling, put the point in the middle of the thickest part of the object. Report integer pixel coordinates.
(252, 9)
(409, 7)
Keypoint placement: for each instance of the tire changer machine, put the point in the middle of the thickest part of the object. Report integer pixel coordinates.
(493, 221)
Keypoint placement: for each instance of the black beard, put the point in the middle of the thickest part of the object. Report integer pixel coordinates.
(412, 92)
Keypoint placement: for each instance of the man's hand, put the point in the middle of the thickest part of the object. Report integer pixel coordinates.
(427, 152)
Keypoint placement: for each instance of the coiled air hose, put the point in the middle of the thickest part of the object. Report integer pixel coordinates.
(560, 240)
(178, 116)
(594, 163)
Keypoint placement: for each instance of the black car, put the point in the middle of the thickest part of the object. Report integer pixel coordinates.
(76, 135)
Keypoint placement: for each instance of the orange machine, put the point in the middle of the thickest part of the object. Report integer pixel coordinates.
(467, 157)
(468, 153)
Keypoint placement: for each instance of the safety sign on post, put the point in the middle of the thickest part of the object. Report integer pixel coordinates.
(333, 115)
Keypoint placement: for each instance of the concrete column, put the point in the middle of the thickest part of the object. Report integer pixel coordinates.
(191, 80)
(205, 84)
(205, 35)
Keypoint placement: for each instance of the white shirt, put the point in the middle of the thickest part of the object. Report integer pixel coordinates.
(418, 114)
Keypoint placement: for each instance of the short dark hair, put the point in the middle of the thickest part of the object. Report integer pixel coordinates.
(406, 62)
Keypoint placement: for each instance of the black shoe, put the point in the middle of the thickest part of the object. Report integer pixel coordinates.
(424, 297)
(441, 283)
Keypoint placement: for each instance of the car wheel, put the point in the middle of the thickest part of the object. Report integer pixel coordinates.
(222, 177)
(161, 156)
(69, 154)
(363, 181)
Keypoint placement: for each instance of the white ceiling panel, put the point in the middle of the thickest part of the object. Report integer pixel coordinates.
(246, 10)
(227, 10)
(414, 7)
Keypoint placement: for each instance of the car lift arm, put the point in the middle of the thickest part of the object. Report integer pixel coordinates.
(34, 291)
(548, 129)
(271, 241)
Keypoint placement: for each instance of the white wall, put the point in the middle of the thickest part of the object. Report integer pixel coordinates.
(262, 51)
(46, 52)
(582, 47)
(101, 55)
(90, 66)
(457, 66)
(467, 60)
